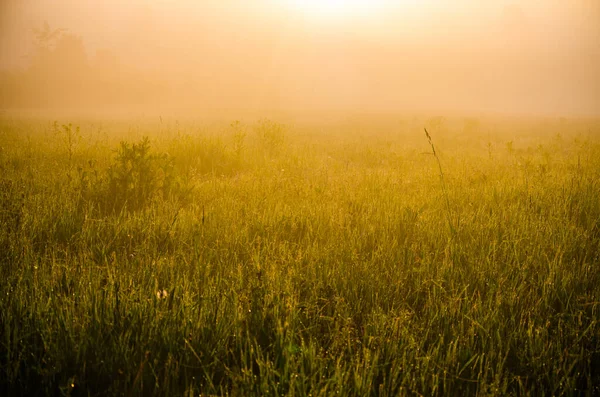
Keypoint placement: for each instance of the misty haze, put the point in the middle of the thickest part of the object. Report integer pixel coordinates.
(300, 197)
(462, 56)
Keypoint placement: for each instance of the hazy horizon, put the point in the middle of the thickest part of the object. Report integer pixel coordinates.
(501, 57)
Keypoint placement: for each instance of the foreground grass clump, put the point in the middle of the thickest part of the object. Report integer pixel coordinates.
(270, 260)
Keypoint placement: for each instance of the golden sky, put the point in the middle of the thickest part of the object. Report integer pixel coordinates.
(497, 56)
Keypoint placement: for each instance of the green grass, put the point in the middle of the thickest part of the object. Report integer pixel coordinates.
(264, 259)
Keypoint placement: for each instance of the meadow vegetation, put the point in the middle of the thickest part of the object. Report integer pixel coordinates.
(157, 257)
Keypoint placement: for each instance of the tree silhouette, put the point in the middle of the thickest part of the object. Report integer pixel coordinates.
(46, 37)
(59, 69)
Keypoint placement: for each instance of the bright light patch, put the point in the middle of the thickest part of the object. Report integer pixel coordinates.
(339, 8)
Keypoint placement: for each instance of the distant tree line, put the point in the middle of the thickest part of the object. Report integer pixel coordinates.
(60, 73)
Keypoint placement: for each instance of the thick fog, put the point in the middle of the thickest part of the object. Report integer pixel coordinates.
(465, 56)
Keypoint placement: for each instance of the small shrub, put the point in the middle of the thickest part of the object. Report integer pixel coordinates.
(137, 176)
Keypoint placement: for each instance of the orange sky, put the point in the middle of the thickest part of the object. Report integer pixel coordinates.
(540, 57)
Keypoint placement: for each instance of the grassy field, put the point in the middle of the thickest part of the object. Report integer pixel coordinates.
(259, 258)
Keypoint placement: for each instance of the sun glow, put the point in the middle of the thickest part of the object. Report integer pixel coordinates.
(339, 8)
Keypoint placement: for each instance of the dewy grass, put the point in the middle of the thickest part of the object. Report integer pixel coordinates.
(317, 268)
